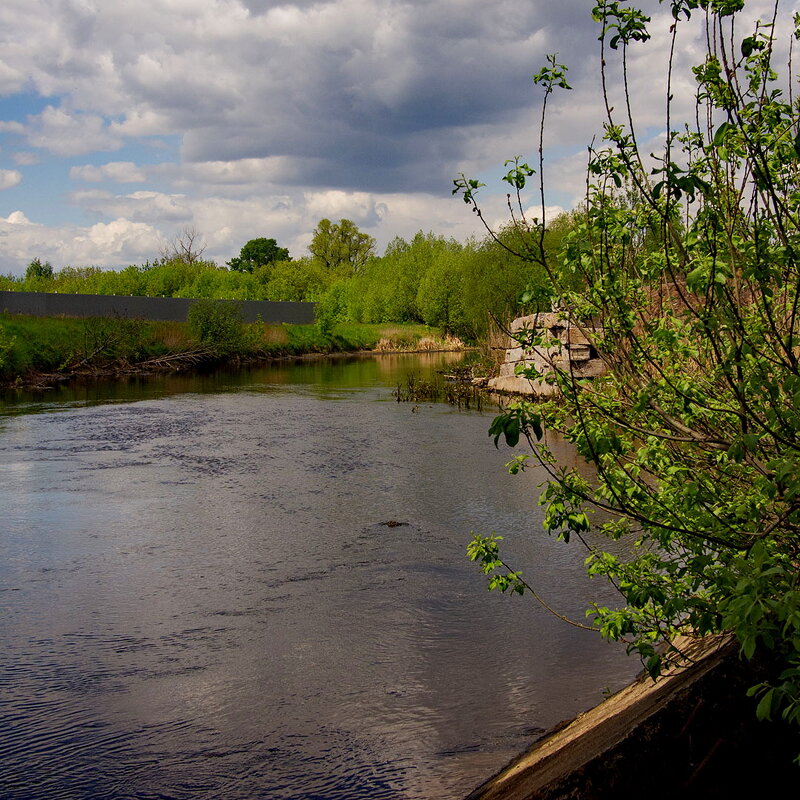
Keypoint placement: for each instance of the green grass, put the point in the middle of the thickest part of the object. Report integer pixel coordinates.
(54, 344)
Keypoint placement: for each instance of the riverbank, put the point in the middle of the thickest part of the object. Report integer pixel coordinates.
(41, 352)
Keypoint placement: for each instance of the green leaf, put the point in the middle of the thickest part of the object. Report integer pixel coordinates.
(722, 132)
(764, 708)
(512, 431)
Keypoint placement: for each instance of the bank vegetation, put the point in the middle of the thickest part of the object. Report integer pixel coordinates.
(429, 280)
(41, 351)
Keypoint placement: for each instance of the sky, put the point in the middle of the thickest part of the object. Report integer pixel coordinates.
(122, 124)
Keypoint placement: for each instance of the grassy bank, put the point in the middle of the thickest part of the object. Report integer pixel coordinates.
(36, 350)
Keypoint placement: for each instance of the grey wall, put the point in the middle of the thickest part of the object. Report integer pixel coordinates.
(171, 309)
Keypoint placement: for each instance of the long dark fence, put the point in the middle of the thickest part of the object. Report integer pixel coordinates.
(168, 309)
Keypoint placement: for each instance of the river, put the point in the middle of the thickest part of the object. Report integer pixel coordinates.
(201, 597)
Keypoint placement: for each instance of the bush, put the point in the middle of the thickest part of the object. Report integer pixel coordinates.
(217, 325)
(7, 342)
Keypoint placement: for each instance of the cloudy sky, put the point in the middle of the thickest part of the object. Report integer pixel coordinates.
(122, 123)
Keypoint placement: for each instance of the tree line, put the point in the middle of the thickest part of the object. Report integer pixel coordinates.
(428, 279)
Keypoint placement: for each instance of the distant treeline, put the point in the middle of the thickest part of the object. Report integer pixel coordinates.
(430, 279)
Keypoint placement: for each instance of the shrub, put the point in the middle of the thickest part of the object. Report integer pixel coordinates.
(217, 325)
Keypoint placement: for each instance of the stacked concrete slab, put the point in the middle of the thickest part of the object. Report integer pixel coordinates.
(572, 351)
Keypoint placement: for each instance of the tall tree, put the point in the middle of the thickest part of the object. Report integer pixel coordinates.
(258, 253)
(341, 247)
(37, 270)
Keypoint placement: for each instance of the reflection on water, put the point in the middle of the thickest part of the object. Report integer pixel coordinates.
(315, 373)
(200, 598)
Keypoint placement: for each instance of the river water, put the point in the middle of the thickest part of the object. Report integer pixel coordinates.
(200, 598)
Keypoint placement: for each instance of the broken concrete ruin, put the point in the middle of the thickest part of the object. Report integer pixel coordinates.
(571, 351)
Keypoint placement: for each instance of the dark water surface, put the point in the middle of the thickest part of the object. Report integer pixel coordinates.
(199, 598)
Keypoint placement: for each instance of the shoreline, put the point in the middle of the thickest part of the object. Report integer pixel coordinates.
(41, 352)
(192, 361)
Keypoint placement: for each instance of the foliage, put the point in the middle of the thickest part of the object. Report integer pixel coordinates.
(258, 253)
(217, 324)
(440, 294)
(37, 270)
(332, 308)
(429, 278)
(50, 345)
(107, 339)
(689, 268)
(30, 346)
(7, 342)
(341, 247)
(173, 276)
(500, 283)
(303, 280)
(387, 289)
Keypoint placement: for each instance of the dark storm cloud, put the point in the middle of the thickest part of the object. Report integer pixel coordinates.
(375, 94)
(385, 96)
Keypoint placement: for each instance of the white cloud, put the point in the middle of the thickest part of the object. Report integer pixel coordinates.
(112, 244)
(140, 121)
(118, 238)
(244, 173)
(16, 218)
(145, 206)
(360, 207)
(9, 178)
(117, 171)
(11, 80)
(70, 134)
(11, 126)
(26, 159)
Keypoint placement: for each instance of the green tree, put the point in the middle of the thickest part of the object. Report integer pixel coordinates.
(441, 291)
(170, 276)
(341, 247)
(297, 281)
(38, 271)
(689, 266)
(388, 287)
(497, 279)
(258, 253)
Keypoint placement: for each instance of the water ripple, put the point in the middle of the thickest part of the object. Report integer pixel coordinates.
(201, 599)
